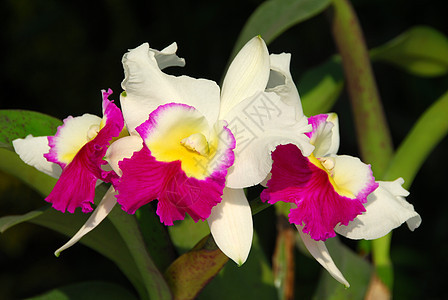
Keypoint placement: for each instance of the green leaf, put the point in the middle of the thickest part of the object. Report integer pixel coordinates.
(117, 237)
(156, 237)
(20, 123)
(104, 239)
(191, 272)
(427, 132)
(91, 290)
(420, 50)
(127, 226)
(321, 87)
(274, 17)
(186, 234)
(356, 270)
(11, 163)
(253, 280)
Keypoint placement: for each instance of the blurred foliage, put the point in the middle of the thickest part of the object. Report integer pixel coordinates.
(58, 55)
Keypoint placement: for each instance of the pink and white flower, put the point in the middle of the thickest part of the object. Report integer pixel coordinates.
(334, 193)
(75, 155)
(189, 145)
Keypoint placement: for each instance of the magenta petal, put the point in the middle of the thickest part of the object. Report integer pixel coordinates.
(319, 208)
(76, 186)
(315, 122)
(145, 179)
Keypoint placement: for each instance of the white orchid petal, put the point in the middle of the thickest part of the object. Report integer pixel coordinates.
(353, 178)
(72, 136)
(122, 148)
(325, 134)
(167, 57)
(32, 149)
(147, 87)
(386, 209)
(259, 124)
(247, 75)
(231, 225)
(320, 252)
(107, 203)
(281, 82)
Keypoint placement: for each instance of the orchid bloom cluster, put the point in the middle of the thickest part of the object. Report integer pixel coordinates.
(194, 147)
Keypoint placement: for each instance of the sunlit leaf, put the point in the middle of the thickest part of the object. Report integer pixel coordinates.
(420, 50)
(357, 271)
(273, 17)
(91, 290)
(19, 123)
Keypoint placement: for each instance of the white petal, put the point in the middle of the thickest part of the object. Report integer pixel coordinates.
(73, 135)
(247, 75)
(353, 178)
(325, 137)
(107, 203)
(320, 252)
(259, 124)
(281, 82)
(122, 148)
(146, 87)
(167, 57)
(386, 209)
(32, 149)
(231, 225)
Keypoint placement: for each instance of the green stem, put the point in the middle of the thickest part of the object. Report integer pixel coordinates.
(373, 134)
(371, 127)
(429, 130)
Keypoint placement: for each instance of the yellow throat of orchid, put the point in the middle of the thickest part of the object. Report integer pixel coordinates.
(188, 145)
(328, 165)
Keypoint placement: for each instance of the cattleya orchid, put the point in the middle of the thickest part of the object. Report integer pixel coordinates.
(75, 155)
(194, 147)
(189, 145)
(332, 193)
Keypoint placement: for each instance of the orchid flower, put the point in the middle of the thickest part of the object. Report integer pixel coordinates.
(332, 193)
(74, 155)
(194, 147)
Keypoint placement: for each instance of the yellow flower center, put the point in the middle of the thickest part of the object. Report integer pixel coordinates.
(328, 164)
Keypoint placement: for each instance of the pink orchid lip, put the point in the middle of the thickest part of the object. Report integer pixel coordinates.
(76, 185)
(145, 178)
(319, 207)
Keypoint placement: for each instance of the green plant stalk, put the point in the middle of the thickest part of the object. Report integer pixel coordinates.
(424, 136)
(372, 130)
(373, 134)
(429, 130)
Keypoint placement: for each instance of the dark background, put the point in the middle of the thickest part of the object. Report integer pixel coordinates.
(56, 56)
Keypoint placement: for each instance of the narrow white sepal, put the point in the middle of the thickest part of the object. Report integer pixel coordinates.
(320, 252)
(32, 149)
(107, 203)
(231, 225)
